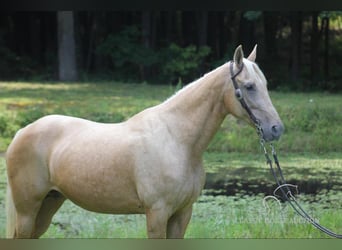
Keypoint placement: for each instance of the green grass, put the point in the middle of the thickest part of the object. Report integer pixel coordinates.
(312, 124)
(309, 152)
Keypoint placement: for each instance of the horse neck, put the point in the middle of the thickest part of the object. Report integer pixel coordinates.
(196, 112)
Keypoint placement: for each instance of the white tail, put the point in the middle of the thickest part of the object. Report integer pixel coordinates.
(10, 214)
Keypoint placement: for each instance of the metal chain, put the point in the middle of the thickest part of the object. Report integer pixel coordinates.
(277, 174)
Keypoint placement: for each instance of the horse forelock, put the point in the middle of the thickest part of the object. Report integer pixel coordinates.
(254, 70)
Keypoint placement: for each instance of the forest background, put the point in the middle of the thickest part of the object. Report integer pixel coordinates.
(298, 50)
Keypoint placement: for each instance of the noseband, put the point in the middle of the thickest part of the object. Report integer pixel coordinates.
(239, 94)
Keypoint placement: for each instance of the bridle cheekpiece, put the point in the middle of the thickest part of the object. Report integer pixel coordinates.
(239, 94)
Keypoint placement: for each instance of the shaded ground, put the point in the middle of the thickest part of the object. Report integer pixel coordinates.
(234, 186)
(232, 174)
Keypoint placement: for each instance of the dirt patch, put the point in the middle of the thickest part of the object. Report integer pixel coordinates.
(216, 185)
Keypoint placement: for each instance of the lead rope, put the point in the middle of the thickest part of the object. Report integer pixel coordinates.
(285, 187)
(277, 174)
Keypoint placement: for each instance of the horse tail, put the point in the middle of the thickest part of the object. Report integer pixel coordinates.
(10, 214)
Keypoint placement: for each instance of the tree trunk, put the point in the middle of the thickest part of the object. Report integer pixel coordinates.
(314, 64)
(99, 61)
(189, 28)
(223, 34)
(296, 39)
(146, 40)
(246, 33)
(170, 27)
(35, 37)
(179, 27)
(202, 24)
(89, 52)
(326, 51)
(67, 70)
(215, 34)
(270, 31)
(49, 33)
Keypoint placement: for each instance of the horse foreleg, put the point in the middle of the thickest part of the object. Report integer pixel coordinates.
(156, 220)
(178, 223)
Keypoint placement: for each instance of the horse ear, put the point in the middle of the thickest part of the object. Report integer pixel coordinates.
(252, 55)
(238, 56)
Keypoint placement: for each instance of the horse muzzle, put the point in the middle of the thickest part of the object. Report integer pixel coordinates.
(272, 132)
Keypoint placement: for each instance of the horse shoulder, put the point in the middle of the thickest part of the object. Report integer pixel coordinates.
(164, 168)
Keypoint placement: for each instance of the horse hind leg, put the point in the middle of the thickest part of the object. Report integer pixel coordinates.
(52, 202)
(35, 219)
(25, 220)
(29, 202)
(21, 213)
(11, 214)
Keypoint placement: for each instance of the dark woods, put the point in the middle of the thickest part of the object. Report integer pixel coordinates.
(297, 50)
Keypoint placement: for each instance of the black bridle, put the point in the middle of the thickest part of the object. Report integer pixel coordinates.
(239, 93)
(277, 173)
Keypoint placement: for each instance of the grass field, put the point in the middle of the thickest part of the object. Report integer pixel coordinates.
(310, 152)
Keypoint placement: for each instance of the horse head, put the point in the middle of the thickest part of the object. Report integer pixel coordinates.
(250, 101)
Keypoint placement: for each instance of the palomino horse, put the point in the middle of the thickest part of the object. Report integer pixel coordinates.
(151, 163)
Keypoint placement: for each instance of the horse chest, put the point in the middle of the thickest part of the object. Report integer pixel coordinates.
(195, 182)
(187, 192)
(178, 186)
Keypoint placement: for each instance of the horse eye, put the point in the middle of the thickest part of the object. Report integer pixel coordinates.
(250, 86)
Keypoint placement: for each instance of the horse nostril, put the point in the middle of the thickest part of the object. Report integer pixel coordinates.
(277, 130)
